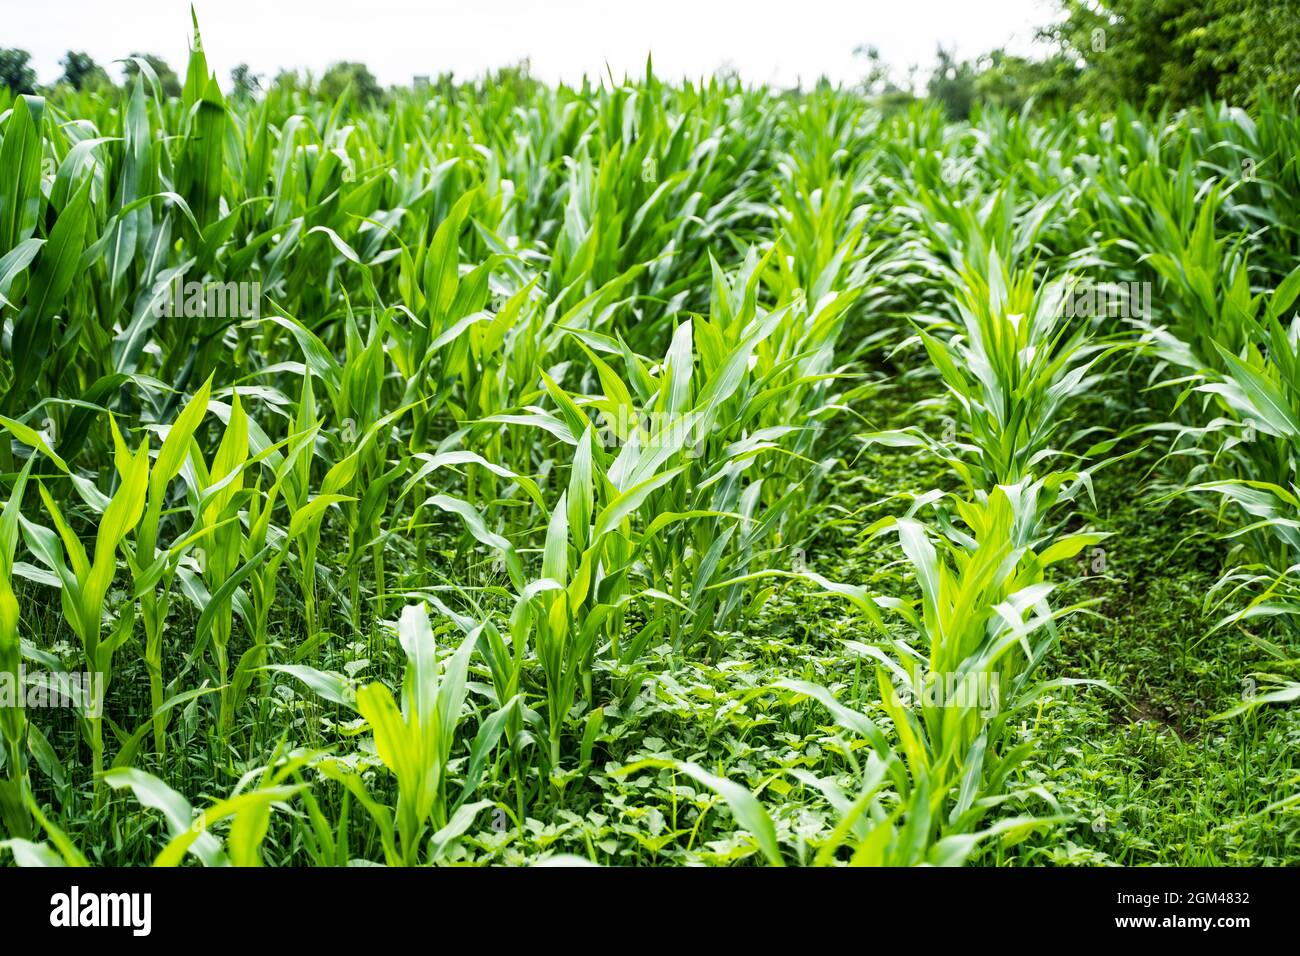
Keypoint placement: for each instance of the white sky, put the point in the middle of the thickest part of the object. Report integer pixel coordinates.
(773, 41)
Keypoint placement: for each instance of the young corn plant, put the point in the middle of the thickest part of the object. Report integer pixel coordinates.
(415, 741)
(1013, 362)
(984, 627)
(13, 718)
(147, 561)
(1247, 455)
(84, 579)
(245, 814)
(216, 493)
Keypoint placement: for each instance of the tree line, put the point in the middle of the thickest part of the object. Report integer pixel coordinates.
(1151, 53)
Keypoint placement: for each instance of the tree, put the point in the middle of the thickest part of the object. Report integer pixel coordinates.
(878, 77)
(952, 84)
(1176, 52)
(879, 82)
(1151, 53)
(246, 82)
(14, 71)
(1011, 81)
(1257, 43)
(365, 88)
(167, 78)
(80, 71)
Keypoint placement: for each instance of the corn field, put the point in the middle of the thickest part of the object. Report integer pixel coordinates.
(645, 474)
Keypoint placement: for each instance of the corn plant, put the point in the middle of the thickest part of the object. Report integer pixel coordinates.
(155, 600)
(84, 579)
(13, 722)
(415, 743)
(192, 830)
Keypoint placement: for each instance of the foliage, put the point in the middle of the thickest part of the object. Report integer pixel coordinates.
(15, 74)
(643, 472)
